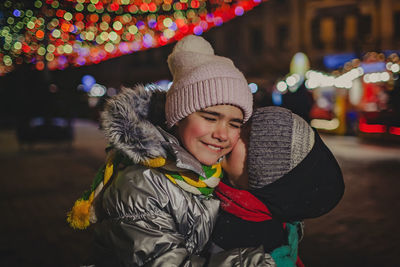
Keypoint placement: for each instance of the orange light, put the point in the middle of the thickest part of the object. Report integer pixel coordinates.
(40, 65)
(94, 18)
(144, 7)
(65, 27)
(40, 34)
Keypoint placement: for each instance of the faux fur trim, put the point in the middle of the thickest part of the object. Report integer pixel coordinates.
(126, 124)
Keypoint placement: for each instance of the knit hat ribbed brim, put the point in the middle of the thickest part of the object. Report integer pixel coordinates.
(279, 140)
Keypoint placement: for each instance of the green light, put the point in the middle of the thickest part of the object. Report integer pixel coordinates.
(7, 4)
(103, 36)
(60, 49)
(167, 22)
(51, 48)
(20, 25)
(117, 25)
(109, 47)
(168, 33)
(91, 8)
(94, 1)
(68, 49)
(10, 20)
(29, 13)
(79, 7)
(99, 40)
(54, 22)
(125, 2)
(166, 7)
(56, 33)
(55, 4)
(178, 15)
(127, 18)
(41, 51)
(99, 10)
(30, 25)
(38, 4)
(8, 39)
(133, 29)
(113, 36)
(17, 45)
(7, 46)
(104, 26)
(7, 60)
(49, 57)
(89, 36)
(67, 16)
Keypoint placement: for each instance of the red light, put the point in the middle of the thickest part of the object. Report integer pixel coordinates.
(394, 130)
(114, 6)
(371, 128)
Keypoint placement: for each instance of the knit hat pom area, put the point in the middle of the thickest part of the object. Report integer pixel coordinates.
(202, 79)
(195, 44)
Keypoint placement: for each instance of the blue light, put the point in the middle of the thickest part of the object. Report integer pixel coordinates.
(16, 13)
(88, 81)
(198, 30)
(276, 98)
(337, 61)
(373, 67)
(253, 88)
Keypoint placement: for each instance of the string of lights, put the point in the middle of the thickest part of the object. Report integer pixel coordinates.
(56, 34)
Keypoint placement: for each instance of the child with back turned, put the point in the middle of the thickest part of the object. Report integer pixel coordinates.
(279, 173)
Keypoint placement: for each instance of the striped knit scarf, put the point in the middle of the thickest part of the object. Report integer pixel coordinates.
(197, 184)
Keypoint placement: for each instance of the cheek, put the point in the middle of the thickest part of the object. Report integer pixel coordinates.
(234, 136)
(190, 131)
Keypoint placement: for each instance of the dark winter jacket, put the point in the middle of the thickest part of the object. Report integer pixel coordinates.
(311, 189)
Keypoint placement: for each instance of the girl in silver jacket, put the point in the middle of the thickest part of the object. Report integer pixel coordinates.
(152, 201)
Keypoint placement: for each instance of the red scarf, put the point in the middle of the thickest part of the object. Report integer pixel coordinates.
(242, 204)
(245, 205)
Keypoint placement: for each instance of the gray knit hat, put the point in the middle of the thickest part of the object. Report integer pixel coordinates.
(279, 140)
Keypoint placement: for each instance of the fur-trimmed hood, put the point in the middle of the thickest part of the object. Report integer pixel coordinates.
(129, 122)
(133, 122)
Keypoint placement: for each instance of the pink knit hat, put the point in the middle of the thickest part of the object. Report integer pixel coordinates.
(202, 79)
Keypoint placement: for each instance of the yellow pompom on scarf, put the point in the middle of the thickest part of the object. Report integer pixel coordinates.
(82, 213)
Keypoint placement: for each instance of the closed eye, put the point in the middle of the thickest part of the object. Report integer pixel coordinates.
(235, 125)
(209, 118)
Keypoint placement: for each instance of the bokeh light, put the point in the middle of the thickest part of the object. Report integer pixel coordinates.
(81, 32)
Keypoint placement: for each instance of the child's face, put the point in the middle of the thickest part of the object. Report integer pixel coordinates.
(235, 165)
(211, 133)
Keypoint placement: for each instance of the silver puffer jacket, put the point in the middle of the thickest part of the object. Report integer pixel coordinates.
(146, 220)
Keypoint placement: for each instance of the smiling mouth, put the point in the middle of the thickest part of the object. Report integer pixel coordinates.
(214, 148)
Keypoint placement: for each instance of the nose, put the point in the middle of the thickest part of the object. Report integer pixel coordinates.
(220, 132)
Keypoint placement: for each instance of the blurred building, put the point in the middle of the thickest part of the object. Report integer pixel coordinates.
(266, 38)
